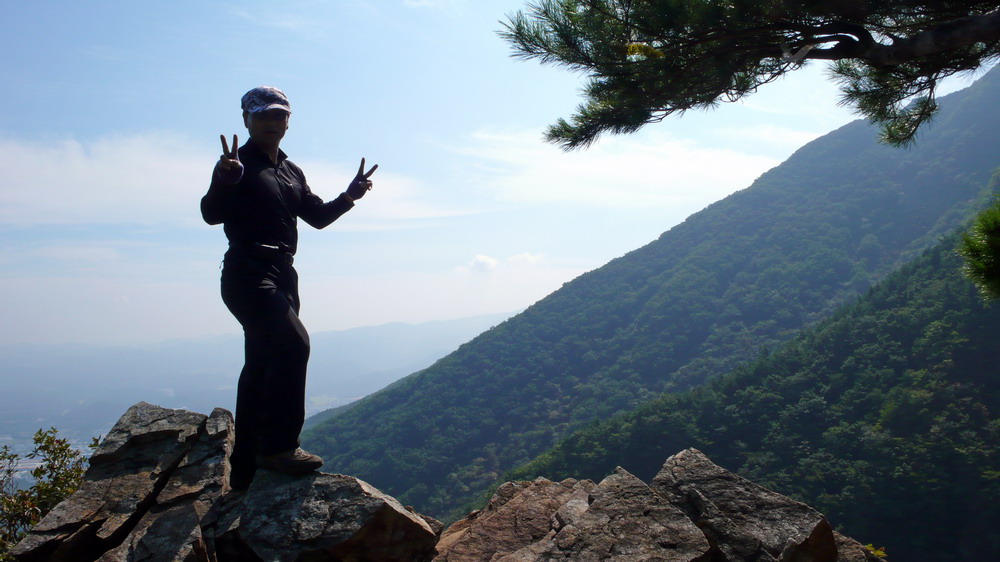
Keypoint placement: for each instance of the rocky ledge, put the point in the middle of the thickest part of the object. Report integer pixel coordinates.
(156, 491)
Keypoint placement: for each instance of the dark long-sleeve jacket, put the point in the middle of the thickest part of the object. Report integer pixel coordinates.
(261, 207)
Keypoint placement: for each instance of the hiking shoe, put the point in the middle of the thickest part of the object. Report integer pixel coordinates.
(295, 461)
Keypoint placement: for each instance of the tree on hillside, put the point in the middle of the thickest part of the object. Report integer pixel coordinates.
(648, 59)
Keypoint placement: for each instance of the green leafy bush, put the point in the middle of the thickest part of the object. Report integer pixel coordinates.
(58, 474)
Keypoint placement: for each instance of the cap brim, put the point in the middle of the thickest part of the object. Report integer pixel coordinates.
(284, 108)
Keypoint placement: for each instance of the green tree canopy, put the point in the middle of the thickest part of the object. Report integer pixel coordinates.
(647, 59)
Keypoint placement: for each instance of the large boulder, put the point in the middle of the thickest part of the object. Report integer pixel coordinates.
(519, 514)
(157, 488)
(329, 517)
(623, 519)
(619, 519)
(151, 463)
(741, 519)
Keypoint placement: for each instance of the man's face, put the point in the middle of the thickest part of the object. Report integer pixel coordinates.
(268, 126)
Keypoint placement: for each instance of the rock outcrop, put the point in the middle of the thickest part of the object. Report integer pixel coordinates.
(693, 511)
(619, 519)
(156, 491)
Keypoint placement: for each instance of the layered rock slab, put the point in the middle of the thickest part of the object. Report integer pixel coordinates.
(694, 511)
(623, 520)
(620, 518)
(745, 521)
(329, 517)
(518, 514)
(131, 467)
(156, 490)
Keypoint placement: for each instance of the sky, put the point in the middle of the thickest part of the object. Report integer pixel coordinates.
(111, 125)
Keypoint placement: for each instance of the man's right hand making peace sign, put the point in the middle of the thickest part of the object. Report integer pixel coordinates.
(229, 167)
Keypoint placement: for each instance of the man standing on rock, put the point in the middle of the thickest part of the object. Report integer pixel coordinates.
(258, 195)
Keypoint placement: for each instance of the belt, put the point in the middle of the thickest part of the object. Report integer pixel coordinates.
(266, 251)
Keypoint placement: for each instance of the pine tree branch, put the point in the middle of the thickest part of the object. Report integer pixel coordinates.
(950, 36)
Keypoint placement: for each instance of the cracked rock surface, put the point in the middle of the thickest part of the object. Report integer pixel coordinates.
(694, 511)
(156, 490)
(117, 502)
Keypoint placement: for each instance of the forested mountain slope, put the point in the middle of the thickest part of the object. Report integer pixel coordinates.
(746, 272)
(886, 418)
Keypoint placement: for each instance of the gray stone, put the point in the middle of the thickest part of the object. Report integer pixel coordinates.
(623, 521)
(742, 520)
(329, 517)
(163, 534)
(172, 528)
(130, 468)
(156, 490)
(519, 514)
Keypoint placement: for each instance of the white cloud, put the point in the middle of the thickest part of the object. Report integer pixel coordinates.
(396, 202)
(483, 263)
(644, 170)
(158, 178)
(479, 264)
(486, 264)
(151, 178)
(526, 258)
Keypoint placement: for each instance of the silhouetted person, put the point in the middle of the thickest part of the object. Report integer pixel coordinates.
(258, 195)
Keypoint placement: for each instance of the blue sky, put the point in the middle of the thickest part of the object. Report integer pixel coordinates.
(110, 129)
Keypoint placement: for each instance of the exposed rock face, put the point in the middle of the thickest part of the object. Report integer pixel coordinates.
(156, 491)
(519, 514)
(694, 511)
(622, 519)
(329, 517)
(741, 519)
(118, 506)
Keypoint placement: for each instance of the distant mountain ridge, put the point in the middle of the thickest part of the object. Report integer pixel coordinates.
(746, 273)
(56, 384)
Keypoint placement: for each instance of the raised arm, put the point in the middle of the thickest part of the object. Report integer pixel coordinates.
(227, 173)
(318, 214)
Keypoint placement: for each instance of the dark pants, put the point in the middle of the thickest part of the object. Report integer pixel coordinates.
(262, 293)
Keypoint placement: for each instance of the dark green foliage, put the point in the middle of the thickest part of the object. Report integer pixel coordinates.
(58, 474)
(981, 250)
(884, 417)
(744, 274)
(649, 59)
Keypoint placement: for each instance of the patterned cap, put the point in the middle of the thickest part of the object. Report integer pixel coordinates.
(264, 98)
